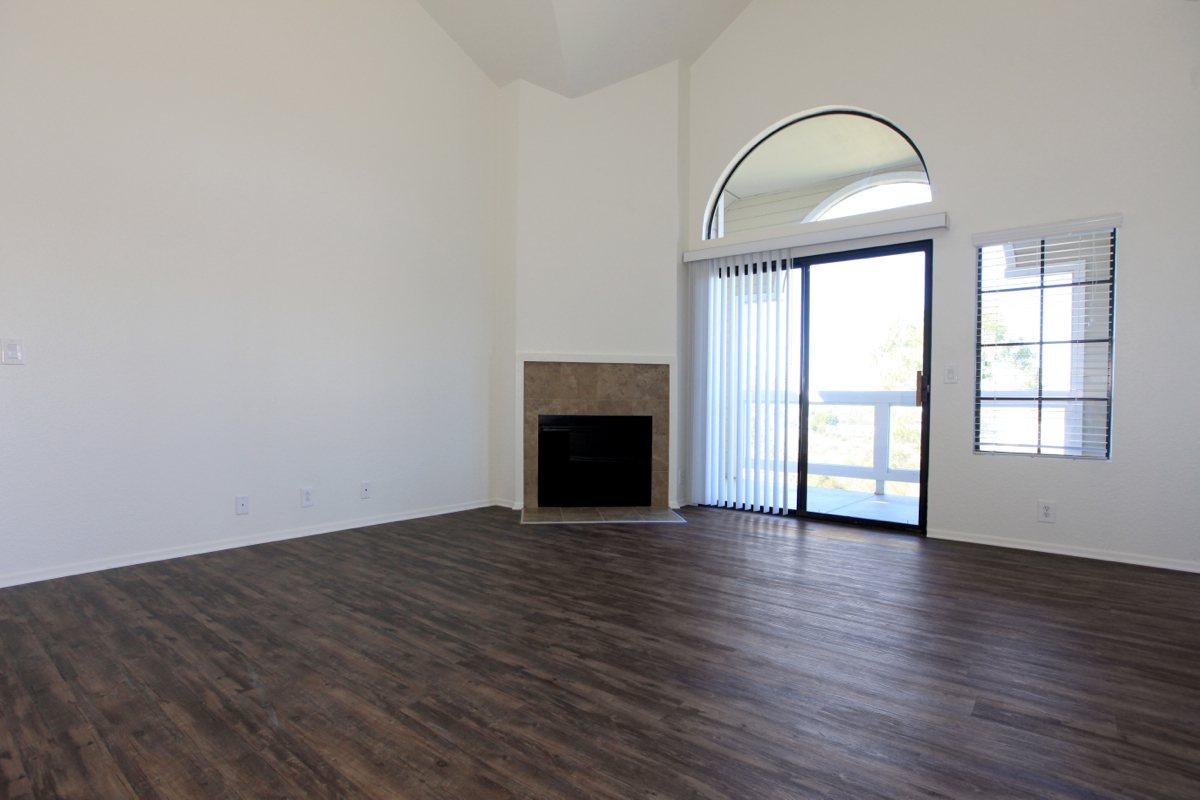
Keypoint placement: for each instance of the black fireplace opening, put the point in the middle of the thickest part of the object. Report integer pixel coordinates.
(591, 460)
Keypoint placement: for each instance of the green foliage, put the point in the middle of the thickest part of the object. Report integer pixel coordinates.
(1019, 360)
(841, 433)
(899, 357)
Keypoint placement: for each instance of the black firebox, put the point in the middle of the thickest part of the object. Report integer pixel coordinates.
(594, 460)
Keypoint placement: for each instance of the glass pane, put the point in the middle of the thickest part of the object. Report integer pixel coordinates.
(876, 198)
(1079, 257)
(905, 446)
(1009, 426)
(1078, 312)
(1057, 314)
(1075, 370)
(1010, 316)
(866, 345)
(1075, 428)
(841, 434)
(1068, 427)
(859, 485)
(817, 168)
(1009, 369)
(1010, 266)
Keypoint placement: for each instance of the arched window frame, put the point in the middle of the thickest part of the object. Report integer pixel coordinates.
(711, 210)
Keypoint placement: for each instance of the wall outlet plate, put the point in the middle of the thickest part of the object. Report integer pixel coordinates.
(12, 353)
(1046, 512)
(950, 374)
(306, 498)
(241, 505)
(364, 493)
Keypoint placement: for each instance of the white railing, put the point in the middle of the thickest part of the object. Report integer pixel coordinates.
(880, 470)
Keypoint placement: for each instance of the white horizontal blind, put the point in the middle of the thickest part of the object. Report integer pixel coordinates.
(1044, 349)
(751, 365)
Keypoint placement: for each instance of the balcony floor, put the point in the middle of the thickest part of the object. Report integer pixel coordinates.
(864, 505)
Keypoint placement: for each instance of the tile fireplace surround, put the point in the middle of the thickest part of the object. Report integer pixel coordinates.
(575, 387)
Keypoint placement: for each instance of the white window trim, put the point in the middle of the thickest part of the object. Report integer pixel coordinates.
(1047, 231)
(829, 232)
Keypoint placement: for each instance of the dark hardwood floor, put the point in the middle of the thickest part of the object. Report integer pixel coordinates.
(739, 656)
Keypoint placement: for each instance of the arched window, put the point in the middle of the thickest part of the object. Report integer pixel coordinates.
(877, 193)
(821, 166)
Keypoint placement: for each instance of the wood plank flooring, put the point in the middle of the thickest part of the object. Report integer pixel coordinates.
(738, 656)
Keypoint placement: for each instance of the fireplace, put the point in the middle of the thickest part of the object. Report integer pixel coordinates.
(592, 390)
(594, 460)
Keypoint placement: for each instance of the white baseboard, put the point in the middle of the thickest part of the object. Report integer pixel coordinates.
(147, 556)
(1181, 564)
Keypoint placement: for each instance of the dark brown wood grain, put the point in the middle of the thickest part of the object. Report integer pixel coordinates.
(738, 656)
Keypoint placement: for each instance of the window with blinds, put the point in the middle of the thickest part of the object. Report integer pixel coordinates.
(1044, 349)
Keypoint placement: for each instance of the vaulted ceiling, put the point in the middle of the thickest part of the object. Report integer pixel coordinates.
(577, 46)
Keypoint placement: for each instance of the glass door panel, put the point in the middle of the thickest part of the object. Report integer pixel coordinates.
(865, 399)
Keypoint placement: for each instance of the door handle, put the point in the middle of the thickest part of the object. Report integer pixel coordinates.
(920, 387)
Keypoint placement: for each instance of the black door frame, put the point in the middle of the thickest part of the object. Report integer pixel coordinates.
(922, 246)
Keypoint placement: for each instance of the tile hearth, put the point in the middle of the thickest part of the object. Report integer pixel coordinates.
(591, 516)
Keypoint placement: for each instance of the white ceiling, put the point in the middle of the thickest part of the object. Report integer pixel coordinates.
(577, 46)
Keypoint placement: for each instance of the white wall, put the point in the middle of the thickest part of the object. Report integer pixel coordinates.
(597, 228)
(504, 302)
(247, 247)
(1027, 112)
(257, 246)
(597, 208)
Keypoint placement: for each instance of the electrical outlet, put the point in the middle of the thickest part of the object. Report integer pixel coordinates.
(241, 505)
(1046, 512)
(306, 498)
(12, 352)
(950, 374)
(365, 492)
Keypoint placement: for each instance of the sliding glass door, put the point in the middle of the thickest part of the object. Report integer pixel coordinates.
(812, 395)
(864, 403)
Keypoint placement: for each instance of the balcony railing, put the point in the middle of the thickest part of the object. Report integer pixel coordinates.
(881, 470)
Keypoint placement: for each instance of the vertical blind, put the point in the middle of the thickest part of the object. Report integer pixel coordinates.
(748, 381)
(1044, 349)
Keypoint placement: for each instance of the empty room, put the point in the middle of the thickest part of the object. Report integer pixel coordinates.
(739, 399)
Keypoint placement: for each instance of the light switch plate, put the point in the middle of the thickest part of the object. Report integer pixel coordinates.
(12, 353)
(950, 375)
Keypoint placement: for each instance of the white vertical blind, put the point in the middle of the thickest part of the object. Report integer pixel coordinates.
(748, 381)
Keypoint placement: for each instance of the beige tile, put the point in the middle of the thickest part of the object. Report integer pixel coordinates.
(581, 515)
(540, 378)
(578, 383)
(658, 489)
(538, 515)
(620, 514)
(661, 452)
(659, 515)
(553, 387)
(614, 383)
